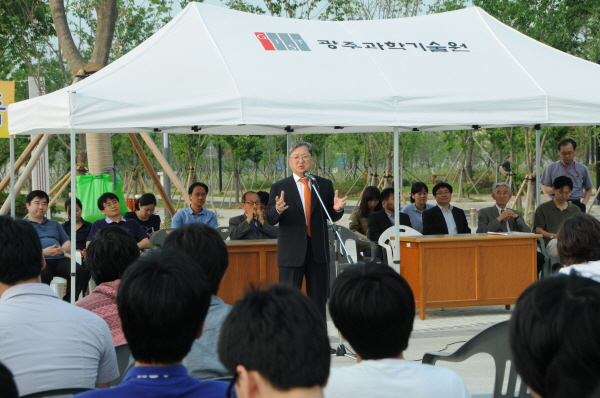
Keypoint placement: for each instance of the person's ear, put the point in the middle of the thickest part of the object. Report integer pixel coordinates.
(247, 383)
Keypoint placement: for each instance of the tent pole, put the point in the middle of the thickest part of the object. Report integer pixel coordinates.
(397, 188)
(167, 181)
(12, 177)
(289, 145)
(538, 161)
(73, 210)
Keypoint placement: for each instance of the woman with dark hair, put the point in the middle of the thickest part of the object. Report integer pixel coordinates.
(370, 201)
(82, 227)
(578, 246)
(418, 204)
(111, 251)
(144, 213)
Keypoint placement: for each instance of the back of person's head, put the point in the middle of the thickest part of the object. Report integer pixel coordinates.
(68, 205)
(370, 193)
(416, 188)
(36, 194)
(109, 254)
(145, 200)
(374, 309)
(562, 181)
(197, 184)
(280, 334)
(105, 197)
(264, 197)
(566, 142)
(386, 193)
(578, 240)
(8, 388)
(440, 185)
(162, 301)
(20, 251)
(205, 246)
(553, 335)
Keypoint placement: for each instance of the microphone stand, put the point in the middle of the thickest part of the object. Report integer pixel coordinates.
(341, 349)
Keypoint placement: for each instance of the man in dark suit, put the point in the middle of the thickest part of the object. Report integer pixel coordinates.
(444, 219)
(302, 245)
(251, 224)
(381, 220)
(499, 218)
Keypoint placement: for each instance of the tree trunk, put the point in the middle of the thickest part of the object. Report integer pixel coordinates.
(469, 155)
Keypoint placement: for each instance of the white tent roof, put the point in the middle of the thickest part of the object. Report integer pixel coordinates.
(213, 68)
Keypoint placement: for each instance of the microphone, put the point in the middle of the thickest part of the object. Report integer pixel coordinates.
(310, 177)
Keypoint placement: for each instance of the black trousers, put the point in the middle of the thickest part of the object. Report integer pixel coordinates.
(317, 278)
(62, 267)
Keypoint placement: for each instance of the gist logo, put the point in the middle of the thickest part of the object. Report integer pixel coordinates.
(282, 41)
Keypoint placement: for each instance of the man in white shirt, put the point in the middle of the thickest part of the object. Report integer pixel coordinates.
(374, 309)
(46, 343)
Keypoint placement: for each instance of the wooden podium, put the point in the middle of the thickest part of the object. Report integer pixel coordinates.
(251, 262)
(467, 270)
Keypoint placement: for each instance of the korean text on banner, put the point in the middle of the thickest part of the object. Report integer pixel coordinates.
(7, 96)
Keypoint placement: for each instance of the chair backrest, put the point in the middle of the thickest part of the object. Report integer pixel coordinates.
(54, 393)
(158, 238)
(224, 232)
(123, 362)
(385, 237)
(492, 341)
(338, 257)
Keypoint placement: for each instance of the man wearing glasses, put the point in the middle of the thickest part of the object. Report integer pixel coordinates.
(108, 203)
(549, 216)
(444, 218)
(569, 167)
(251, 224)
(302, 246)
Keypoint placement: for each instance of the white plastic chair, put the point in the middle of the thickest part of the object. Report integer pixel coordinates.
(385, 238)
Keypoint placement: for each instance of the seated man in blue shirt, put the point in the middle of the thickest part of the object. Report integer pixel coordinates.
(55, 243)
(162, 301)
(108, 203)
(196, 212)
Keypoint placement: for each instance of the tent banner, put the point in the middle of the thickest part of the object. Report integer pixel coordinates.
(7, 96)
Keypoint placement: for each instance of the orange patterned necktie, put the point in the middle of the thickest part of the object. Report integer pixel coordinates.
(307, 197)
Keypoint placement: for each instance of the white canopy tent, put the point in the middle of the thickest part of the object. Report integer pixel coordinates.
(227, 72)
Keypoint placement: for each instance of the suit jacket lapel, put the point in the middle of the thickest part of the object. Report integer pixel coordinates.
(294, 194)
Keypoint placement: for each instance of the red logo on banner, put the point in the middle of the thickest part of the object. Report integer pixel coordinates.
(264, 40)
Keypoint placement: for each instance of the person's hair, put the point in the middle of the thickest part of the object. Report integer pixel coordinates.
(197, 184)
(145, 200)
(162, 302)
(386, 193)
(280, 334)
(553, 334)
(374, 308)
(562, 181)
(369, 193)
(500, 184)
(508, 157)
(109, 254)
(298, 144)
(579, 238)
(204, 244)
(68, 205)
(20, 251)
(249, 192)
(105, 197)
(8, 388)
(416, 188)
(566, 142)
(264, 197)
(439, 185)
(36, 194)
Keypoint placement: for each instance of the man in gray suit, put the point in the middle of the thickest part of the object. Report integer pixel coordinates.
(499, 218)
(251, 224)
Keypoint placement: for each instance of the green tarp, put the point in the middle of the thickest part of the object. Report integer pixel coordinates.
(91, 187)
